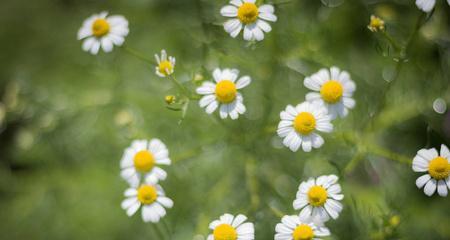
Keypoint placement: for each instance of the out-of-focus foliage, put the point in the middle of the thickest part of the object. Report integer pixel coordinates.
(66, 116)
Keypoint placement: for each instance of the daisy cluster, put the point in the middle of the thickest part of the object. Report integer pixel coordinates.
(141, 168)
(318, 200)
(330, 98)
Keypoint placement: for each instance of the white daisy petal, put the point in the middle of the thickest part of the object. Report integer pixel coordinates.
(211, 107)
(239, 220)
(266, 8)
(421, 181)
(442, 188)
(445, 152)
(248, 34)
(425, 5)
(227, 218)
(243, 82)
(268, 16)
(229, 11)
(133, 209)
(428, 154)
(430, 187)
(206, 100)
(263, 25)
(206, 88)
(236, 3)
(420, 164)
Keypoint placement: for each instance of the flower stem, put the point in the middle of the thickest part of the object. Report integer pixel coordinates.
(391, 40)
(139, 56)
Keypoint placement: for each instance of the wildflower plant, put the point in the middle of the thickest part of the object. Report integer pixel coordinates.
(319, 119)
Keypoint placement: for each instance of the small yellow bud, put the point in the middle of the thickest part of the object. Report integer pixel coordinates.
(376, 24)
(394, 221)
(169, 99)
(198, 77)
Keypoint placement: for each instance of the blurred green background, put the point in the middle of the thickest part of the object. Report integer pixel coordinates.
(66, 117)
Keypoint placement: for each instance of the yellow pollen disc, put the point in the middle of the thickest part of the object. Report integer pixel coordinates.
(226, 91)
(248, 13)
(317, 196)
(147, 194)
(165, 67)
(332, 91)
(439, 168)
(305, 123)
(225, 232)
(376, 22)
(144, 161)
(100, 27)
(303, 232)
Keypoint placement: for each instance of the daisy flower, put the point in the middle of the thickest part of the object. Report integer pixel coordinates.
(294, 228)
(319, 198)
(333, 89)
(246, 14)
(427, 5)
(376, 24)
(224, 92)
(298, 126)
(151, 197)
(229, 227)
(142, 158)
(165, 65)
(102, 31)
(438, 168)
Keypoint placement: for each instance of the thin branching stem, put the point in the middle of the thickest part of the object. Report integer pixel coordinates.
(138, 55)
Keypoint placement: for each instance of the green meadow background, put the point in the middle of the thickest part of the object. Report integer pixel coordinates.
(66, 116)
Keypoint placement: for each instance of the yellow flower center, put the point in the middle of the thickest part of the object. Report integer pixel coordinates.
(100, 27)
(225, 232)
(226, 91)
(317, 196)
(147, 194)
(304, 123)
(144, 161)
(376, 24)
(248, 13)
(439, 168)
(303, 232)
(332, 91)
(165, 67)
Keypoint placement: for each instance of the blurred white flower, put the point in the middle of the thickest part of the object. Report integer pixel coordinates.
(298, 126)
(438, 168)
(246, 14)
(166, 65)
(229, 227)
(102, 31)
(319, 199)
(295, 228)
(224, 92)
(427, 5)
(440, 106)
(333, 88)
(151, 197)
(142, 159)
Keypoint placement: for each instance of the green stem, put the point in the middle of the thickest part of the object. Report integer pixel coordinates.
(391, 40)
(282, 2)
(138, 55)
(159, 232)
(353, 162)
(277, 212)
(252, 182)
(183, 89)
(403, 57)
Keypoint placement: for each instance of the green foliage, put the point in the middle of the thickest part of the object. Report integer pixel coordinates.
(66, 116)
